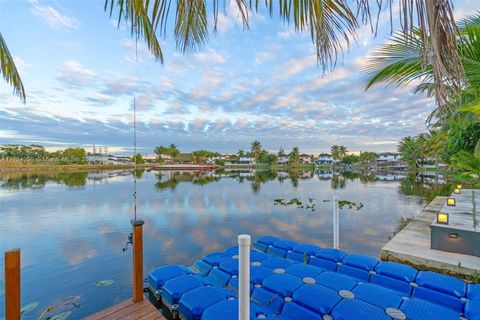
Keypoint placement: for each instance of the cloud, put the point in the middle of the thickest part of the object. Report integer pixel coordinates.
(210, 56)
(54, 18)
(74, 74)
(101, 98)
(21, 65)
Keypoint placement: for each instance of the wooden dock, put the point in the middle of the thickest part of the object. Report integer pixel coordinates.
(129, 310)
(412, 245)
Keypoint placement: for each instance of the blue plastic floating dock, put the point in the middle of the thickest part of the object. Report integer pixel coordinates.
(303, 282)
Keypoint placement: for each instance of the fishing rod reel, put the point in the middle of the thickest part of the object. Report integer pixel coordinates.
(129, 242)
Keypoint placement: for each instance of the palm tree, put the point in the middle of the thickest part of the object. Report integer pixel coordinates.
(160, 151)
(173, 150)
(331, 24)
(367, 157)
(256, 148)
(402, 61)
(338, 152)
(414, 150)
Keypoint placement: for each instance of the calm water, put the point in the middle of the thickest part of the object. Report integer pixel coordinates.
(71, 227)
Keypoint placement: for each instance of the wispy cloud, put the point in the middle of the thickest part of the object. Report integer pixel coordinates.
(53, 17)
(73, 73)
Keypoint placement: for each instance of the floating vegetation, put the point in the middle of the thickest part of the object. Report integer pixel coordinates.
(44, 313)
(310, 204)
(104, 283)
(350, 204)
(61, 316)
(73, 300)
(29, 307)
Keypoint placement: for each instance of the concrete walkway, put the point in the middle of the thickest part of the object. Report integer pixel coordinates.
(412, 246)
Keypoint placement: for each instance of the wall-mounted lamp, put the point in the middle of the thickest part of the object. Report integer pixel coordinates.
(451, 202)
(442, 218)
(457, 191)
(453, 235)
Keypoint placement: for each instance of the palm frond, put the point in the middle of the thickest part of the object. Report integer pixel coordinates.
(398, 63)
(136, 13)
(331, 24)
(190, 25)
(434, 19)
(9, 70)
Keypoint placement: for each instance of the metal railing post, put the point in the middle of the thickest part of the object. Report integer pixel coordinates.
(336, 223)
(244, 241)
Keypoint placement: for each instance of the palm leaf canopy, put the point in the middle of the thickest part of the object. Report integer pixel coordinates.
(9, 71)
(331, 24)
(403, 61)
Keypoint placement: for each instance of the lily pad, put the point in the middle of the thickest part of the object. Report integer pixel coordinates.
(61, 316)
(104, 283)
(29, 307)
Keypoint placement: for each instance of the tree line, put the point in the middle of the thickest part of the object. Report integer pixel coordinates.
(35, 153)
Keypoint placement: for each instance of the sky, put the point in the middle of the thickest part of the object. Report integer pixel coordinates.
(81, 73)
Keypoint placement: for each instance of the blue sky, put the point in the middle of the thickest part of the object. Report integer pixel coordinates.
(81, 73)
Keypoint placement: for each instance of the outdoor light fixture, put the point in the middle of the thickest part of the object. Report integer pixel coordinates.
(453, 235)
(459, 186)
(457, 191)
(451, 202)
(442, 218)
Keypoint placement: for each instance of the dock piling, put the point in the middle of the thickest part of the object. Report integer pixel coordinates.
(137, 260)
(12, 284)
(244, 242)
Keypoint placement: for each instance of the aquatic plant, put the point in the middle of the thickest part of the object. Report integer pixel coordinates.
(310, 205)
(61, 316)
(29, 307)
(104, 283)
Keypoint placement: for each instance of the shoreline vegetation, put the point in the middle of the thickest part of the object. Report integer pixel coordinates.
(25, 167)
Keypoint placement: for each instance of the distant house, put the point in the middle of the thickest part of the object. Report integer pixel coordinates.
(102, 158)
(324, 159)
(246, 161)
(389, 157)
(282, 159)
(305, 159)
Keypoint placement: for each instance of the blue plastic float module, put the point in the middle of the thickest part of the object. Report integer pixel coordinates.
(303, 281)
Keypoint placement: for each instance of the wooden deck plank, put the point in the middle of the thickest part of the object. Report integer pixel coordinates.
(108, 311)
(128, 310)
(154, 315)
(134, 308)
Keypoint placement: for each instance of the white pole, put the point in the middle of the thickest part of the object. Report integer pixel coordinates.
(244, 241)
(336, 223)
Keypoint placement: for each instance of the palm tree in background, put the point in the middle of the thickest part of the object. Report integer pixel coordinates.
(414, 150)
(173, 151)
(331, 24)
(256, 148)
(338, 152)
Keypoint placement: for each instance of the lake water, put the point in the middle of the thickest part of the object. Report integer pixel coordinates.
(71, 227)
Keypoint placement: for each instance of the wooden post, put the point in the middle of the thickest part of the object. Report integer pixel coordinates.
(12, 284)
(137, 244)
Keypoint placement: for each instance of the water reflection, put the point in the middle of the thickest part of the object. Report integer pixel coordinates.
(427, 185)
(72, 226)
